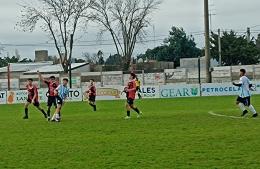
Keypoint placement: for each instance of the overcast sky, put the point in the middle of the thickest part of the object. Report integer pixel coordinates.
(230, 14)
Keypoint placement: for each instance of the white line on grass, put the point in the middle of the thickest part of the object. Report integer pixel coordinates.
(222, 115)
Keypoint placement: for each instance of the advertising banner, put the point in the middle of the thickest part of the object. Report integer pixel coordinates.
(225, 89)
(75, 95)
(2, 97)
(107, 93)
(20, 96)
(16, 97)
(150, 91)
(181, 90)
(219, 89)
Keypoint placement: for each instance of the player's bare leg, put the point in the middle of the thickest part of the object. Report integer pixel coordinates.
(56, 115)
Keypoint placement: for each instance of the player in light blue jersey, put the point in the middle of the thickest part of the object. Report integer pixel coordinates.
(244, 95)
(61, 93)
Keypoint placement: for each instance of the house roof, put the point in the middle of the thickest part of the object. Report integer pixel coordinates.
(43, 67)
(23, 67)
(55, 68)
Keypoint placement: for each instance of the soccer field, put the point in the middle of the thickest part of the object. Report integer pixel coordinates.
(173, 133)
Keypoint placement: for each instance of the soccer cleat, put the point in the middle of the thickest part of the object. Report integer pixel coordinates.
(255, 115)
(139, 115)
(55, 120)
(127, 117)
(244, 113)
(25, 117)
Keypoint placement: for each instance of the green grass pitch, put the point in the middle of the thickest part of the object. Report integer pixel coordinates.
(173, 133)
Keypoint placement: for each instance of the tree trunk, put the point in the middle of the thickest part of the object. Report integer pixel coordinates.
(65, 66)
(126, 63)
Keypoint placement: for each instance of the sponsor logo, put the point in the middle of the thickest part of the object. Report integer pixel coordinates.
(108, 92)
(220, 89)
(179, 92)
(148, 91)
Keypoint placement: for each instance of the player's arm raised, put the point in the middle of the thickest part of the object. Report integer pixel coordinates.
(41, 77)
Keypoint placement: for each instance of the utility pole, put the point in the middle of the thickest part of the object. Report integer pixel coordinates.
(207, 44)
(248, 34)
(219, 48)
(8, 77)
(210, 20)
(199, 71)
(70, 60)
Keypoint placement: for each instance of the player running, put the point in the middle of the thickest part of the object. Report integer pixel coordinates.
(138, 87)
(52, 85)
(32, 98)
(244, 96)
(130, 91)
(61, 93)
(91, 93)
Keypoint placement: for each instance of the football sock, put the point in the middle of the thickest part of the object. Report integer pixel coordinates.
(128, 113)
(252, 109)
(242, 107)
(94, 106)
(43, 112)
(136, 110)
(26, 112)
(49, 111)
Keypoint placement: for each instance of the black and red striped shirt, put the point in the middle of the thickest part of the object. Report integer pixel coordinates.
(92, 91)
(51, 87)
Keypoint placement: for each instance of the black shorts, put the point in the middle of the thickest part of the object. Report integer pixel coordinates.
(130, 102)
(59, 100)
(51, 101)
(36, 103)
(245, 100)
(92, 98)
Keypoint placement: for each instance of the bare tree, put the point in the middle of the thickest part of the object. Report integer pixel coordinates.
(60, 19)
(96, 58)
(126, 21)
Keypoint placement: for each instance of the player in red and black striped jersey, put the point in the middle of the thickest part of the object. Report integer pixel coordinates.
(92, 92)
(130, 91)
(32, 98)
(52, 85)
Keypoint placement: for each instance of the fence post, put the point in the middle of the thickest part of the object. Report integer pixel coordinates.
(254, 72)
(8, 76)
(231, 74)
(101, 76)
(143, 77)
(123, 82)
